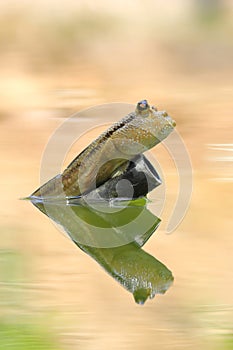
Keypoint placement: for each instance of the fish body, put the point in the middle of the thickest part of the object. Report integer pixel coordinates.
(113, 149)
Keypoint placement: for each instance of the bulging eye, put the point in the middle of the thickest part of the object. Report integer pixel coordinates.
(155, 108)
(143, 104)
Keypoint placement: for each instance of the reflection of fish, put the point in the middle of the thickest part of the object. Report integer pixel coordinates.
(133, 135)
(114, 240)
(140, 273)
(137, 271)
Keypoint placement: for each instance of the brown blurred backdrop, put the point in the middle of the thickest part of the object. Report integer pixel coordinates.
(57, 57)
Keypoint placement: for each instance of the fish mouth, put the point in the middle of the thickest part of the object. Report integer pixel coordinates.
(170, 121)
(173, 123)
(163, 114)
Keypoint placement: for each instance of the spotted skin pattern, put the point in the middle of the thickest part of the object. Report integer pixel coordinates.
(132, 135)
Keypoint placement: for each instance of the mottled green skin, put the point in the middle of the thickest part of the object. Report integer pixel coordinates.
(118, 248)
(133, 135)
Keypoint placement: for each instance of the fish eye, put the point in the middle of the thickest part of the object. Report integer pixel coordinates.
(143, 104)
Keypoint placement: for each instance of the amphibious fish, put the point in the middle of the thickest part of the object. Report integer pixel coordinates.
(111, 152)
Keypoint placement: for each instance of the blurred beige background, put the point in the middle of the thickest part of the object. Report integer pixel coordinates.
(58, 57)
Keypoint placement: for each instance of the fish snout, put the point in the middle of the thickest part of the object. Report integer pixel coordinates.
(168, 118)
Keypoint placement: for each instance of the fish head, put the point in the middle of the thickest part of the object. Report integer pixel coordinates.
(157, 122)
(164, 123)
